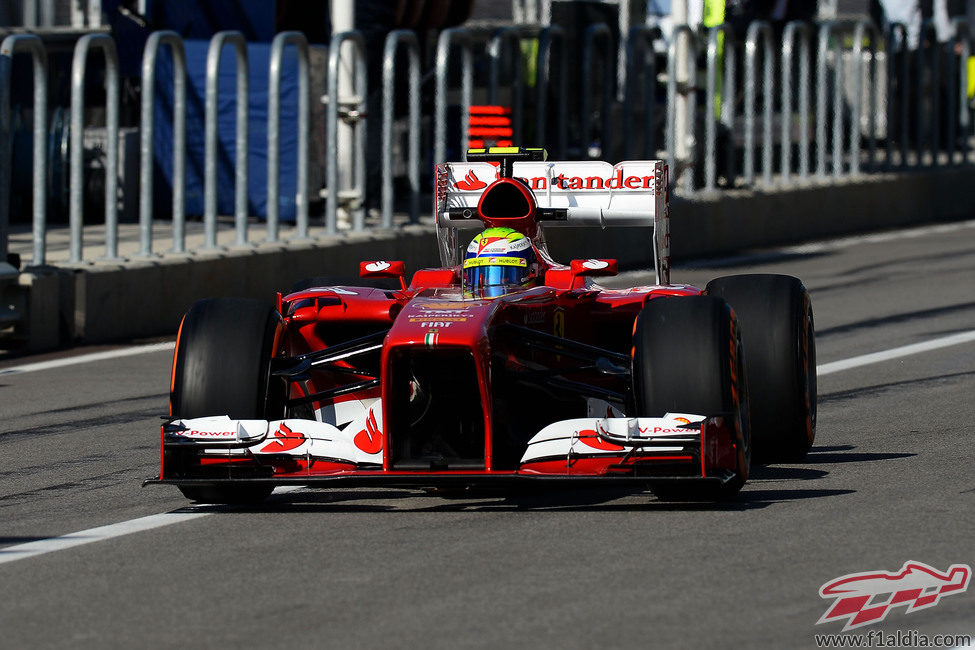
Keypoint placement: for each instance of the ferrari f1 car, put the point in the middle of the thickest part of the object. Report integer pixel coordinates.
(503, 368)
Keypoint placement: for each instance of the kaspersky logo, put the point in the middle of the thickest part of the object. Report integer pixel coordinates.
(867, 598)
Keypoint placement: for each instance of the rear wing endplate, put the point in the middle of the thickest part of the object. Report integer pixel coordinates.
(572, 193)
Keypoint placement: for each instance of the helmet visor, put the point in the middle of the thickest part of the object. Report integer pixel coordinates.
(478, 277)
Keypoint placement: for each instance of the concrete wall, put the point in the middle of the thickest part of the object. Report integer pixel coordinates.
(106, 302)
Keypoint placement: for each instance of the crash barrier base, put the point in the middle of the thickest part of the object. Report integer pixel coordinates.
(123, 300)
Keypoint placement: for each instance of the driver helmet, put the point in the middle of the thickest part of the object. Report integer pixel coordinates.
(499, 260)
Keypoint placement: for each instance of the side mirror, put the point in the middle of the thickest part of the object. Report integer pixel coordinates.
(594, 268)
(383, 269)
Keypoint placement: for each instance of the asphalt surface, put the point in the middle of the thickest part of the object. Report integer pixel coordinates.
(889, 480)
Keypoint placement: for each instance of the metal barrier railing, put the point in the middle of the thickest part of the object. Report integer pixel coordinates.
(897, 35)
(755, 30)
(352, 110)
(495, 51)
(927, 120)
(78, 68)
(720, 46)
(32, 45)
(81, 13)
(214, 55)
(859, 32)
(38, 13)
(298, 40)
(401, 39)
(532, 11)
(959, 50)
(721, 40)
(641, 62)
(598, 32)
(459, 37)
(681, 87)
(826, 30)
(551, 37)
(793, 30)
(147, 138)
(928, 114)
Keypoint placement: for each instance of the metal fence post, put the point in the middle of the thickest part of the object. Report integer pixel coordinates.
(599, 31)
(680, 133)
(825, 31)
(764, 29)
(792, 29)
(728, 91)
(958, 111)
(640, 59)
(462, 38)
(31, 11)
(353, 109)
(35, 47)
(903, 83)
(549, 36)
(495, 49)
(927, 113)
(863, 26)
(214, 53)
(79, 66)
(274, 135)
(147, 135)
(394, 40)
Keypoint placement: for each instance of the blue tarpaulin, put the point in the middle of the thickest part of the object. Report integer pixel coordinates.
(196, 59)
(201, 19)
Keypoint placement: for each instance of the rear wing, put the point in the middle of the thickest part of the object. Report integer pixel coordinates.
(574, 193)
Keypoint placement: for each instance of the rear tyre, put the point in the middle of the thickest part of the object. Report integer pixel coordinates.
(221, 367)
(688, 358)
(777, 329)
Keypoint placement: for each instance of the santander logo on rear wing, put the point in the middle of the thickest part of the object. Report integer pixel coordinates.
(587, 193)
(595, 193)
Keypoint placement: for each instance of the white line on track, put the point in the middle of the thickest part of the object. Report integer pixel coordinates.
(40, 547)
(825, 246)
(894, 353)
(878, 237)
(88, 358)
(100, 534)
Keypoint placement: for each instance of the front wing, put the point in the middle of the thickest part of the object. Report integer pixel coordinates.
(219, 450)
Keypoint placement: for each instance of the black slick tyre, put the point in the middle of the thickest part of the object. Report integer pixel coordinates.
(221, 367)
(776, 320)
(688, 358)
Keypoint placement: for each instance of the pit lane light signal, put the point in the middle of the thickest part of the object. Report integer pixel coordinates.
(490, 126)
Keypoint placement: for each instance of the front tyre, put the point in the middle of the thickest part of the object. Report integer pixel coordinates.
(777, 329)
(221, 367)
(687, 357)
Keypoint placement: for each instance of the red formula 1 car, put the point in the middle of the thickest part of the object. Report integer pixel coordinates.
(503, 368)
